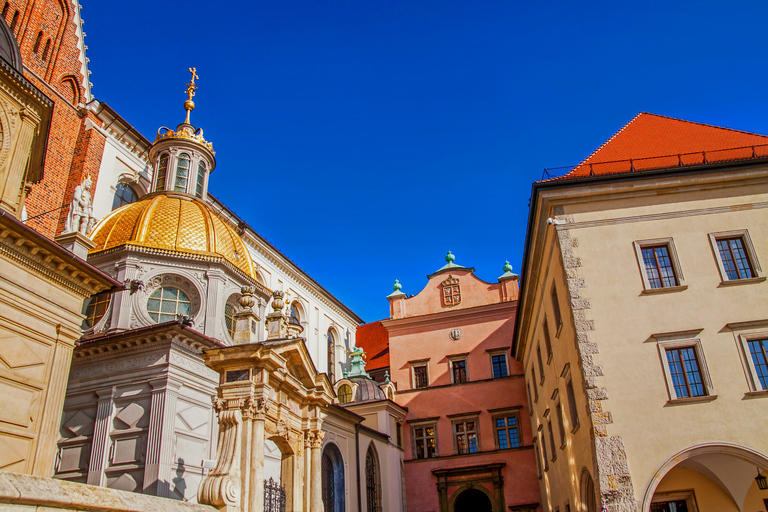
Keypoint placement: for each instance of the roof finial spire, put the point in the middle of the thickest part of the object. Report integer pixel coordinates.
(189, 105)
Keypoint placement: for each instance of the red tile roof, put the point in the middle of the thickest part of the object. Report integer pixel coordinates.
(650, 141)
(374, 340)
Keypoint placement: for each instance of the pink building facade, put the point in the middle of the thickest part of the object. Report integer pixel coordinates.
(467, 437)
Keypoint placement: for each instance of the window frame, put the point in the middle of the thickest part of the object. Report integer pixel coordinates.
(505, 415)
(543, 447)
(121, 187)
(573, 412)
(414, 439)
(639, 245)
(419, 364)
(680, 340)
(556, 311)
(177, 175)
(496, 353)
(547, 339)
(743, 333)
(542, 377)
(749, 250)
(455, 434)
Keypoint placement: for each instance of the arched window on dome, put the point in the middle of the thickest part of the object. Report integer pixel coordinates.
(162, 171)
(331, 355)
(182, 172)
(200, 179)
(124, 194)
(166, 303)
(345, 394)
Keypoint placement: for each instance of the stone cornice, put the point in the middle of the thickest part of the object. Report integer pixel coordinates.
(48, 259)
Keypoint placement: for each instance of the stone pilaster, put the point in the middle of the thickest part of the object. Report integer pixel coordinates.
(157, 469)
(216, 281)
(611, 469)
(100, 441)
(307, 470)
(12, 191)
(316, 491)
(121, 301)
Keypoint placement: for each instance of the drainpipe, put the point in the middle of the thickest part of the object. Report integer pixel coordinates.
(357, 465)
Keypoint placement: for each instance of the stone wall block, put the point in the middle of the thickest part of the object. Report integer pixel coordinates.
(597, 394)
(589, 348)
(595, 406)
(585, 325)
(575, 242)
(572, 262)
(582, 337)
(602, 418)
(571, 273)
(600, 431)
(579, 304)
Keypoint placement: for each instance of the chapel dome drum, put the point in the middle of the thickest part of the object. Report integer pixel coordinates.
(173, 223)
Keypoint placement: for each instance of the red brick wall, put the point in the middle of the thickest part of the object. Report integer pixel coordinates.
(72, 150)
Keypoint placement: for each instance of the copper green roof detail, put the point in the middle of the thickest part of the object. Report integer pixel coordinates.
(356, 364)
(449, 258)
(507, 272)
(396, 287)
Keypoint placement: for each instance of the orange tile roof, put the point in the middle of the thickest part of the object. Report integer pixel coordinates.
(650, 141)
(374, 340)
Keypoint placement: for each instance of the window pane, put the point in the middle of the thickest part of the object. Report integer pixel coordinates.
(182, 172)
(502, 437)
(658, 267)
(757, 349)
(734, 258)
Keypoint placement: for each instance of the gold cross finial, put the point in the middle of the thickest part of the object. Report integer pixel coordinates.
(191, 87)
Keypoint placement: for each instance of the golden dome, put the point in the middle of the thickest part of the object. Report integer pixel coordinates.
(173, 223)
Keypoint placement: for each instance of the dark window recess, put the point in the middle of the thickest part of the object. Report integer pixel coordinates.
(572, 405)
(459, 371)
(46, 49)
(37, 42)
(14, 21)
(670, 506)
(420, 377)
(237, 375)
(556, 307)
(547, 339)
(425, 442)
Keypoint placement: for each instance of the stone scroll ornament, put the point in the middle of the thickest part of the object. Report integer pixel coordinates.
(221, 487)
(80, 217)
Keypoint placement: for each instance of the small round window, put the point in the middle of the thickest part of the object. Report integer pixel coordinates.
(345, 394)
(229, 318)
(166, 303)
(97, 308)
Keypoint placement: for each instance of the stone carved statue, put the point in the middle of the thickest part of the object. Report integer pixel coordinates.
(80, 217)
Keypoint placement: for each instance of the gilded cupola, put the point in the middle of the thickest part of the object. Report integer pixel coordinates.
(175, 219)
(182, 159)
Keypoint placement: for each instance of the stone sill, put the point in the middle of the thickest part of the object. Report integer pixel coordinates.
(668, 289)
(756, 394)
(691, 400)
(749, 280)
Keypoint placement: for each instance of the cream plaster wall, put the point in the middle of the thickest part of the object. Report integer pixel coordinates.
(623, 384)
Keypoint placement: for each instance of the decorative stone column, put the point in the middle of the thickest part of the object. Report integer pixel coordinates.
(316, 484)
(307, 470)
(100, 440)
(256, 477)
(216, 279)
(157, 469)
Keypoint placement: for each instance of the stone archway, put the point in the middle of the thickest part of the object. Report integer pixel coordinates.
(472, 499)
(729, 467)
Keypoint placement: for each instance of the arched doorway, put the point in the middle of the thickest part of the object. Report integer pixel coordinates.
(332, 467)
(472, 500)
(700, 477)
(588, 498)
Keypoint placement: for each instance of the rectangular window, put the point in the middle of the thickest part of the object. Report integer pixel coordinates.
(684, 372)
(399, 432)
(658, 267)
(545, 458)
(735, 255)
(560, 422)
(574, 414)
(556, 309)
(547, 340)
(538, 457)
(535, 387)
(465, 436)
(734, 258)
(420, 377)
(541, 363)
(499, 364)
(758, 349)
(552, 440)
(425, 441)
(459, 371)
(530, 400)
(507, 431)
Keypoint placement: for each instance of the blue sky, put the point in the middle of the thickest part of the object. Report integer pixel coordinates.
(366, 139)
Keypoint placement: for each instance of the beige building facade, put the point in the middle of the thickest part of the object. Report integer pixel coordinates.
(643, 323)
